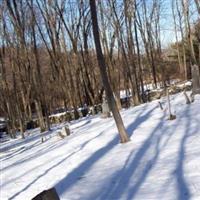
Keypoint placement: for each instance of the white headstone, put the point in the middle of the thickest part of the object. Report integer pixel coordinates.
(105, 107)
(65, 130)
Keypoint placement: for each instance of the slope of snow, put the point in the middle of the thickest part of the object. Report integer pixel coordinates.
(162, 160)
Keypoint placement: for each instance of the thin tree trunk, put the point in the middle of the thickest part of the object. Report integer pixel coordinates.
(198, 5)
(102, 66)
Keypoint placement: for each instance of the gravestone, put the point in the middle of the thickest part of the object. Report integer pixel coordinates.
(171, 116)
(105, 107)
(50, 194)
(186, 98)
(195, 80)
(65, 130)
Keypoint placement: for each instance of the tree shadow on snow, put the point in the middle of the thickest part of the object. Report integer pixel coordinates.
(34, 154)
(74, 176)
(179, 175)
(50, 168)
(129, 179)
(136, 169)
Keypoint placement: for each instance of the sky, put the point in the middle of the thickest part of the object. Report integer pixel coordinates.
(167, 23)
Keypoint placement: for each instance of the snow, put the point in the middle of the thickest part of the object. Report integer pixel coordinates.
(160, 162)
(58, 114)
(182, 85)
(125, 94)
(2, 119)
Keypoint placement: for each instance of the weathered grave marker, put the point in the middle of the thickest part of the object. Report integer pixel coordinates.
(186, 98)
(50, 194)
(171, 116)
(105, 107)
(195, 80)
(65, 130)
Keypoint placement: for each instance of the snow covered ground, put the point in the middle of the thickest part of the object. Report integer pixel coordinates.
(162, 160)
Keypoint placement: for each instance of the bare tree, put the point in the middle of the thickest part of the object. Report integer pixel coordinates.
(102, 66)
(198, 5)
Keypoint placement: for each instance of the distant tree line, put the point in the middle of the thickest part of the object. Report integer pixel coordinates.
(48, 58)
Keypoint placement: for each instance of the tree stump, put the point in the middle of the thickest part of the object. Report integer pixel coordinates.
(172, 117)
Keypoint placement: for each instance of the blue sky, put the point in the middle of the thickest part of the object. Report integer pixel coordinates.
(167, 25)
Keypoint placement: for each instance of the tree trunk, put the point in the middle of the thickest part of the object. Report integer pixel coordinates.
(198, 5)
(40, 115)
(102, 66)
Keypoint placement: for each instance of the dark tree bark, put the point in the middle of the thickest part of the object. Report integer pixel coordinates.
(198, 5)
(102, 66)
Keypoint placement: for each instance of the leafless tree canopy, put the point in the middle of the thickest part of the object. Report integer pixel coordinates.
(48, 58)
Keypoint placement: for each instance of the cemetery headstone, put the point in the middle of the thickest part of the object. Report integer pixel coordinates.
(66, 130)
(105, 107)
(50, 194)
(186, 98)
(171, 116)
(195, 80)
